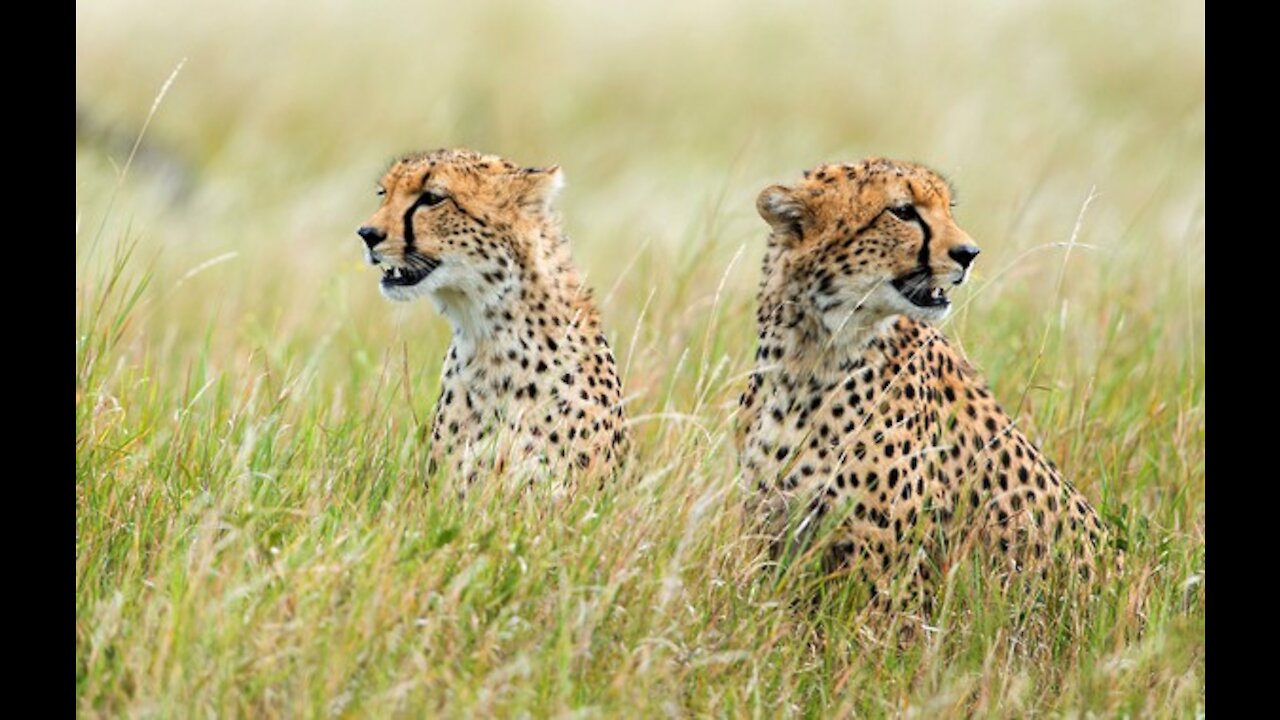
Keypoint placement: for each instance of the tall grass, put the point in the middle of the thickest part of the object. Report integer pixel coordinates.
(255, 533)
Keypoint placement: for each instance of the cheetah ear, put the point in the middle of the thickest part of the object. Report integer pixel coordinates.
(786, 213)
(542, 185)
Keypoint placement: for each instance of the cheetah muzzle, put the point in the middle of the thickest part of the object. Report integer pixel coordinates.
(416, 269)
(916, 287)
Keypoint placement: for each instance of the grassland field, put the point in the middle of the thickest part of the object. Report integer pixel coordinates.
(254, 532)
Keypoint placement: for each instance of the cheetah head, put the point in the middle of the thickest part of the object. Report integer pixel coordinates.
(858, 243)
(450, 225)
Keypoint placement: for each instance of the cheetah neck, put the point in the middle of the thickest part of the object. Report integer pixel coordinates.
(806, 348)
(521, 313)
(468, 316)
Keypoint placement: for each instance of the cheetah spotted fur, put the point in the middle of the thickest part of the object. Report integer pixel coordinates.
(861, 414)
(530, 382)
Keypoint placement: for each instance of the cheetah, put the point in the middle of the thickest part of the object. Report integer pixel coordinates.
(530, 383)
(859, 412)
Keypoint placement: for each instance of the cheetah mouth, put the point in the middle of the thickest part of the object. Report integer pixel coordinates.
(915, 287)
(409, 275)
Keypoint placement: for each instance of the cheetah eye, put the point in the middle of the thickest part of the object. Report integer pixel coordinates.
(381, 191)
(430, 198)
(906, 213)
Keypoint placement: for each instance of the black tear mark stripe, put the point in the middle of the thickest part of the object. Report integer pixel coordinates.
(924, 245)
(408, 219)
(923, 257)
(422, 202)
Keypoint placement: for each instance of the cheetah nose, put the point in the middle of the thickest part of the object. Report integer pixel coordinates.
(371, 236)
(964, 254)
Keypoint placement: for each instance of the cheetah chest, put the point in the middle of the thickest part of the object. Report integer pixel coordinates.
(862, 441)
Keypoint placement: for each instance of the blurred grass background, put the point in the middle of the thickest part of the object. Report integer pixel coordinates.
(253, 535)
